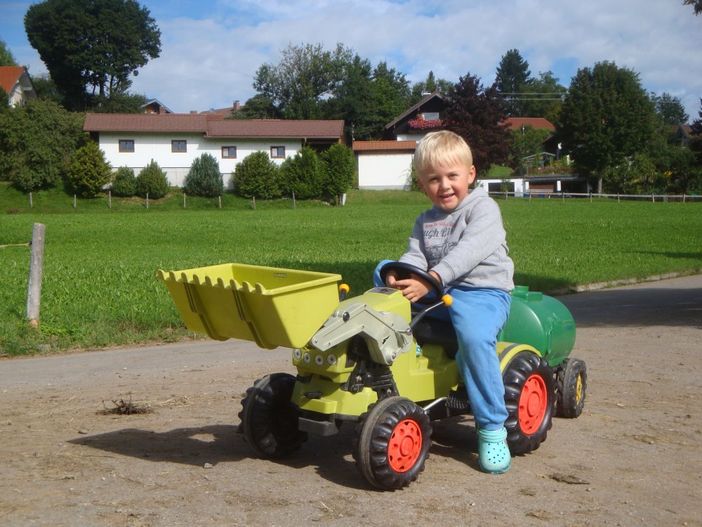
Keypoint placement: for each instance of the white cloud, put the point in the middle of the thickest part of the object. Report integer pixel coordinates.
(210, 52)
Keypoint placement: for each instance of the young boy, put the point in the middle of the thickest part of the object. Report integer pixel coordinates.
(461, 242)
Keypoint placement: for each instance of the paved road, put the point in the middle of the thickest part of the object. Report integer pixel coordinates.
(673, 302)
(632, 458)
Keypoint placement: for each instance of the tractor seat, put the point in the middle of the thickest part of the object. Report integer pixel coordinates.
(433, 331)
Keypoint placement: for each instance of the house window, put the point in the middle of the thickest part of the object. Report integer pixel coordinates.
(228, 152)
(126, 145)
(277, 152)
(431, 116)
(179, 145)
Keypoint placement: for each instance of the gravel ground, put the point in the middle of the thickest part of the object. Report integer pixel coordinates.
(632, 458)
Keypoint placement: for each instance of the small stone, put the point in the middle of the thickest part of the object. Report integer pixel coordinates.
(207, 465)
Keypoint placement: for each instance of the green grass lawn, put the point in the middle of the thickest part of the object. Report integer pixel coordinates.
(99, 285)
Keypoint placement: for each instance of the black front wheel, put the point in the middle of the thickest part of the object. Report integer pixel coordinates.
(392, 443)
(269, 418)
(530, 399)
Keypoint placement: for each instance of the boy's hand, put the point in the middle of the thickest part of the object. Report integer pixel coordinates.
(413, 288)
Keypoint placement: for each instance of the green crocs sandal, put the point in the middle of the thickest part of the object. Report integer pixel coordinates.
(493, 452)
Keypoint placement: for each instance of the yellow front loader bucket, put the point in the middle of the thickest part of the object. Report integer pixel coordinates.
(270, 306)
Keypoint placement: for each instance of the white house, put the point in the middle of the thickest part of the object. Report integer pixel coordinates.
(384, 164)
(17, 84)
(174, 141)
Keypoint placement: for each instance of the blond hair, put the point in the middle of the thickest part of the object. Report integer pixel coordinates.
(440, 149)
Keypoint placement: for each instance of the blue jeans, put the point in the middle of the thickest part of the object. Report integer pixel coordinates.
(477, 315)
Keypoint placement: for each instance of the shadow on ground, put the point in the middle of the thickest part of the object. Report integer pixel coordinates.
(644, 306)
(330, 456)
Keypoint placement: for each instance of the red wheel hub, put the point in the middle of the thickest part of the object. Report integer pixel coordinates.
(532, 404)
(405, 445)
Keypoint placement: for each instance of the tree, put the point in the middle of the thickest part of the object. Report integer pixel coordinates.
(305, 76)
(367, 98)
(88, 171)
(6, 58)
(257, 176)
(92, 45)
(152, 181)
(257, 107)
(429, 85)
(477, 114)
(36, 142)
(124, 183)
(670, 109)
(696, 136)
(203, 178)
(696, 4)
(527, 142)
(46, 89)
(339, 164)
(303, 175)
(511, 78)
(389, 96)
(542, 97)
(607, 117)
(351, 101)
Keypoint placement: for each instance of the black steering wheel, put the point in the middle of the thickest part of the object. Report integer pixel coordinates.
(405, 270)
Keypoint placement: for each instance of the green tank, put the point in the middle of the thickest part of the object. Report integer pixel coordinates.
(542, 322)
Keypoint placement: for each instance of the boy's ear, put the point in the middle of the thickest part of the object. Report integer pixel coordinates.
(471, 175)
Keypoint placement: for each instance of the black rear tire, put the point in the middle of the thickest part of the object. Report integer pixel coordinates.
(530, 399)
(571, 380)
(269, 418)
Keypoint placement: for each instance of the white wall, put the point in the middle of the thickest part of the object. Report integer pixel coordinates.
(411, 137)
(382, 170)
(520, 186)
(177, 165)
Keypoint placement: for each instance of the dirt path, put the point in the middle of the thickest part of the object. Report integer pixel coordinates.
(632, 458)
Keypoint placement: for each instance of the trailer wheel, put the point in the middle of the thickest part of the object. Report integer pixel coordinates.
(392, 443)
(571, 381)
(530, 399)
(269, 419)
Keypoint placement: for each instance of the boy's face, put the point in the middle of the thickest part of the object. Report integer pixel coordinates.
(447, 185)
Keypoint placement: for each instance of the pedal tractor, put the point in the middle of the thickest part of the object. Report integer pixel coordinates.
(376, 361)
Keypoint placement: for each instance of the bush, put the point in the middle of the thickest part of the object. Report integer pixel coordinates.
(152, 181)
(204, 178)
(339, 165)
(257, 177)
(87, 171)
(303, 175)
(37, 141)
(125, 183)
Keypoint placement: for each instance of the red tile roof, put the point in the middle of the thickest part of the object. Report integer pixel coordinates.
(9, 75)
(538, 123)
(275, 128)
(384, 146)
(212, 125)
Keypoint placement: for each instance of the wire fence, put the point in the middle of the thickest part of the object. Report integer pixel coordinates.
(653, 198)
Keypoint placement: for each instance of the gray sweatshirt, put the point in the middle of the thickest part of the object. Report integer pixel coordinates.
(465, 247)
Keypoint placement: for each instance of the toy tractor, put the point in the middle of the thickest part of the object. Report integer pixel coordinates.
(377, 361)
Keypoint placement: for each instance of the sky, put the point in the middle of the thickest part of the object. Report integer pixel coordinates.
(210, 50)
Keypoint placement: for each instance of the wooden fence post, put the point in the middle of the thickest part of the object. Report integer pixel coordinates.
(36, 265)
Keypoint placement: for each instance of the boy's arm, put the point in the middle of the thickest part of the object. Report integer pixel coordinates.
(481, 237)
(414, 254)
